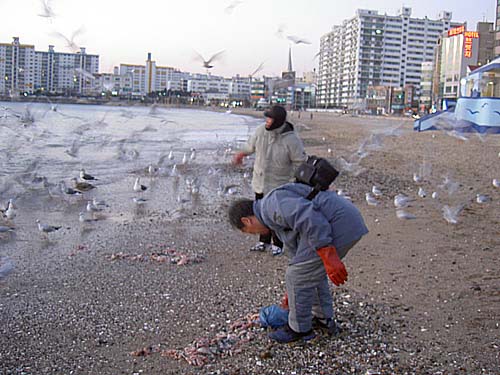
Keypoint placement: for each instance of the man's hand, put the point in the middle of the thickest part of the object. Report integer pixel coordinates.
(284, 301)
(238, 158)
(334, 267)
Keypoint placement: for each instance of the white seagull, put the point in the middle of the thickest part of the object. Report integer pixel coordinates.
(496, 183)
(401, 200)
(376, 191)
(138, 187)
(371, 200)
(139, 201)
(450, 214)
(46, 229)
(480, 198)
(421, 193)
(403, 215)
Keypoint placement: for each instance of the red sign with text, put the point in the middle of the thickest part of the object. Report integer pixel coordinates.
(456, 30)
(468, 38)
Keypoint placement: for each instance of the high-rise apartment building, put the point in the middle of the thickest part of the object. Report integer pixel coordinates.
(17, 62)
(373, 49)
(24, 70)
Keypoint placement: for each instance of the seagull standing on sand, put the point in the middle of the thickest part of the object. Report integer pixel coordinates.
(139, 201)
(46, 229)
(193, 154)
(184, 159)
(83, 219)
(421, 193)
(480, 198)
(171, 155)
(173, 172)
(376, 191)
(417, 178)
(4, 229)
(85, 176)
(496, 183)
(93, 209)
(99, 203)
(371, 200)
(435, 195)
(10, 212)
(82, 186)
(401, 201)
(403, 215)
(67, 190)
(138, 188)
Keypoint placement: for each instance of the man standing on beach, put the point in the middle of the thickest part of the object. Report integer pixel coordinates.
(318, 233)
(278, 152)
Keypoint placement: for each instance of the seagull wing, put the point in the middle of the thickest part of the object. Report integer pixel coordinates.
(259, 68)
(216, 57)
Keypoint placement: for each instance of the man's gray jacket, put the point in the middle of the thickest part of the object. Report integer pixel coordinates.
(305, 225)
(277, 154)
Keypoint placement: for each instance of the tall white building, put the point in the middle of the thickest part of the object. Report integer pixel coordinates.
(17, 62)
(24, 70)
(373, 49)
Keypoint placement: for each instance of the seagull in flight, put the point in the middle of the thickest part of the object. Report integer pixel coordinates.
(208, 63)
(259, 68)
(450, 214)
(297, 40)
(47, 11)
(70, 42)
(230, 8)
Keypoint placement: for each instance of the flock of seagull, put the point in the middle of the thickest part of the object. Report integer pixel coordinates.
(402, 201)
(47, 12)
(26, 181)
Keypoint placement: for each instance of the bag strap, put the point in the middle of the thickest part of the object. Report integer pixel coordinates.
(313, 193)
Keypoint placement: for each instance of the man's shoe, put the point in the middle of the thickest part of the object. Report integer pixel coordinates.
(276, 250)
(328, 326)
(285, 335)
(259, 246)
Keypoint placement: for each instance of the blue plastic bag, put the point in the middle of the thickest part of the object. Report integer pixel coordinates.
(273, 316)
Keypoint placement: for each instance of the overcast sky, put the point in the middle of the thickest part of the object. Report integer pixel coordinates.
(124, 31)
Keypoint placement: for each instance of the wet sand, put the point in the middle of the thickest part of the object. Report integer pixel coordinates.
(423, 295)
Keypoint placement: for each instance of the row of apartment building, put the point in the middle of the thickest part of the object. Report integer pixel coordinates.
(421, 59)
(26, 71)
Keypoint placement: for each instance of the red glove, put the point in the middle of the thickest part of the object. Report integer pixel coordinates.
(238, 158)
(284, 301)
(334, 267)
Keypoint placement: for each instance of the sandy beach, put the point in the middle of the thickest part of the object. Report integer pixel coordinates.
(423, 295)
